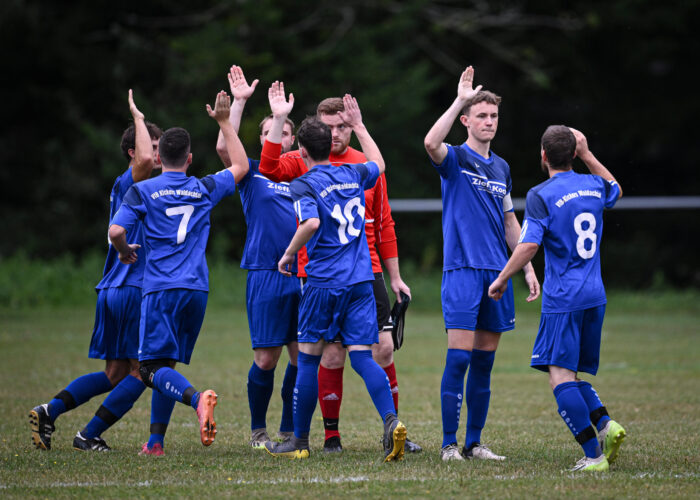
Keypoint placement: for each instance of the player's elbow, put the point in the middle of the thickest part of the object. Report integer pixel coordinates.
(312, 224)
(239, 171)
(115, 232)
(431, 145)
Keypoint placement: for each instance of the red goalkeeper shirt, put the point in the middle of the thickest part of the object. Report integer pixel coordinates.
(379, 225)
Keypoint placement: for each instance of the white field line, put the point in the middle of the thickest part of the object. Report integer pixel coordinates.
(336, 480)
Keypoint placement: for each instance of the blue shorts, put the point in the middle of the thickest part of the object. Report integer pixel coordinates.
(116, 331)
(347, 314)
(569, 340)
(170, 324)
(272, 300)
(466, 304)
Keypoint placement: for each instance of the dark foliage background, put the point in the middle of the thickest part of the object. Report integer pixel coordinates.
(620, 71)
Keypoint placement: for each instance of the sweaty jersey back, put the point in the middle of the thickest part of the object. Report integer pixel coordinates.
(565, 214)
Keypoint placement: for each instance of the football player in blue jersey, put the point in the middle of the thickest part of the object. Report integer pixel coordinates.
(478, 225)
(565, 215)
(174, 210)
(115, 334)
(338, 300)
(272, 299)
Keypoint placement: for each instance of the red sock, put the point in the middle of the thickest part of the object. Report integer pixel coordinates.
(330, 395)
(393, 383)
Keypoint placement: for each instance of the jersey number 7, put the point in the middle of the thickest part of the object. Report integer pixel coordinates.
(186, 212)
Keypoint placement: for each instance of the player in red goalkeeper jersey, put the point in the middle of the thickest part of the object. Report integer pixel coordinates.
(381, 238)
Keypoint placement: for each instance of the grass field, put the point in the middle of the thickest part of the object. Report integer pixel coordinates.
(649, 380)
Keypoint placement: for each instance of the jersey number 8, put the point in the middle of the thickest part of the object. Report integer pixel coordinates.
(585, 234)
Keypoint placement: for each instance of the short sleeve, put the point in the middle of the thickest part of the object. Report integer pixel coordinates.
(132, 209)
(535, 220)
(612, 193)
(219, 185)
(369, 173)
(449, 163)
(305, 204)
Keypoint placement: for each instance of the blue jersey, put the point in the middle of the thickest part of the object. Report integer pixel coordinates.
(565, 214)
(174, 210)
(475, 194)
(269, 216)
(338, 251)
(116, 274)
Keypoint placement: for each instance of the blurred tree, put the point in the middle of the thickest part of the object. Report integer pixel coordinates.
(619, 71)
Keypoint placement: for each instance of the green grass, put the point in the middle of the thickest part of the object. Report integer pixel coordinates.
(649, 379)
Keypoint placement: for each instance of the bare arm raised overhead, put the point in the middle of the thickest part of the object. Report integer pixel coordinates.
(353, 117)
(221, 113)
(433, 142)
(587, 157)
(241, 92)
(143, 150)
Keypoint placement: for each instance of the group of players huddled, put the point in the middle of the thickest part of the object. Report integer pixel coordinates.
(319, 227)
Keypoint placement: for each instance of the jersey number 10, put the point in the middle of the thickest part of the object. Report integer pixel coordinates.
(346, 219)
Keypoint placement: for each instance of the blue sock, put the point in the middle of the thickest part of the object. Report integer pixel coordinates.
(478, 394)
(590, 396)
(305, 393)
(574, 412)
(161, 410)
(260, 385)
(78, 392)
(376, 381)
(119, 401)
(290, 379)
(451, 392)
(175, 386)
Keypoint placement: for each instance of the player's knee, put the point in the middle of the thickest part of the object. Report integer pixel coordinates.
(267, 357)
(149, 367)
(383, 353)
(116, 370)
(333, 356)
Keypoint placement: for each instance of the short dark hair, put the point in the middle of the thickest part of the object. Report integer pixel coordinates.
(174, 147)
(287, 121)
(330, 106)
(315, 136)
(481, 96)
(559, 144)
(129, 137)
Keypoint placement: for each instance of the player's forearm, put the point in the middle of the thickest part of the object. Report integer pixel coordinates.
(522, 255)
(369, 147)
(143, 153)
(276, 129)
(239, 161)
(117, 235)
(434, 139)
(304, 233)
(392, 268)
(235, 120)
(597, 168)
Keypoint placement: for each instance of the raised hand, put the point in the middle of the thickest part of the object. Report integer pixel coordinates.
(352, 115)
(240, 90)
(279, 105)
(222, 107)
(466, 81)
(581, 142)
(132, 107)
